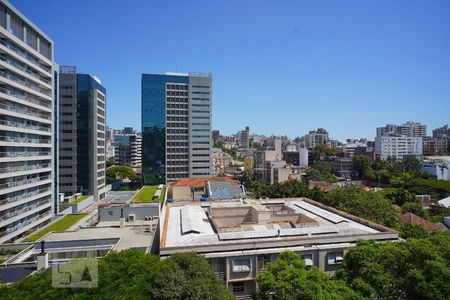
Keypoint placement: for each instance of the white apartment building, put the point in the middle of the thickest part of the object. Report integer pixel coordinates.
(27, 80)
(398, 146)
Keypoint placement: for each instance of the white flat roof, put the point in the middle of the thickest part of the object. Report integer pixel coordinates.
(202, 232)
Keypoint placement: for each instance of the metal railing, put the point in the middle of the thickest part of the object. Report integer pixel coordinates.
(23, 125)
(23, 154)
(24, 196)
(24, 111)
(24, 168)
(25, 55)
(24, 82)
(26, 208)
(20, 66)
(16, 139)
(14, 183)
(25, 97)
(23, 224)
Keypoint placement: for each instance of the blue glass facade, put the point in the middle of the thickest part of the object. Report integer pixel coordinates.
(153, 109)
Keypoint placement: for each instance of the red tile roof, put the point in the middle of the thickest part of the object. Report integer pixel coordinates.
(415, 219)
(200, 182)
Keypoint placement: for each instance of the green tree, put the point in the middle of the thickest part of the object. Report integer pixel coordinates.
(413, 269)
(188, 276)
(120, 172)
(412, 165)
(410, 230)
(366, 204)
(132, 274)
(110, 162)
(362, 164)
(287, 278)
(415, 208)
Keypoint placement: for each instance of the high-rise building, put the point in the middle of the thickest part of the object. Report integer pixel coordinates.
(244, 138)
(127, 148)
(81, 134)
(410, 128)
(176, 126)
(27, 103)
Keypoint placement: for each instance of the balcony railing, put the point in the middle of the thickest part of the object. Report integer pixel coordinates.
(25, 97)
(24, 196)
(23, 168)
(23, 224)
(23, 154)
(15, 139)
(23, 125)
(26, 208)
(25, 55)
(26, 83)
(14, 183)
(24, 111)
(221, 276)
(21, 67)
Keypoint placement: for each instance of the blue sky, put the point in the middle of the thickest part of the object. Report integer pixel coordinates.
(281, 67)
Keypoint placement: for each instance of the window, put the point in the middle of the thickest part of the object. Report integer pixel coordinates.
(335, 258)
(241, 265)
(308, 258)
(110, 212)
(201, 93)
(200, 86)
(238, 287)
(200, 118)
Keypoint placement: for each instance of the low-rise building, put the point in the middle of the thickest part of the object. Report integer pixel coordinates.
(239, 238)
(206, 188)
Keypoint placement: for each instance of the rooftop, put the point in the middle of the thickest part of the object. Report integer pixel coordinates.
(200, 182)
(415, 219)
(237, 225)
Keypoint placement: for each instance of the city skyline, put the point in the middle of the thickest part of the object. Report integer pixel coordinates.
(294, 68)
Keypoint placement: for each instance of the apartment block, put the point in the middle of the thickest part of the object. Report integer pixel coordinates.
(82, 111)
(314, 138)
(176, 126)
(127, 149)
(28, 75)
(240, 237)
(398, 146)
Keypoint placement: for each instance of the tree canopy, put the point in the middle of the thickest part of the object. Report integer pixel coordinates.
(120, 172)
(287, 278)
(413, 269)
(366, 204)
(132, 274)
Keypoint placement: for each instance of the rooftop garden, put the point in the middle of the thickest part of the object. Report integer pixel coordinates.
(146, 194)
(80, 199)
(62, 224)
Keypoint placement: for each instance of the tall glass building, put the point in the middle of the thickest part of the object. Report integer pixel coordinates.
(176, 126)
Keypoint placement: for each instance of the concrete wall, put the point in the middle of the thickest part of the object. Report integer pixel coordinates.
(106, 214)
(78, 207)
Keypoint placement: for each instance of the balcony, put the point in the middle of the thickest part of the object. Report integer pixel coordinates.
(24, 196)
(26, 83)
(23, 154)
(23, 168)
(20, 66)
(14, 139)
(24, 54)
(25, 97)
(25, 111)
(23, 224)
(15, 183)
(25, 126)
(23, 210)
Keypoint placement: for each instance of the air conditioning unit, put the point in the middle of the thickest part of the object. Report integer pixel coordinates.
(131, 217)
